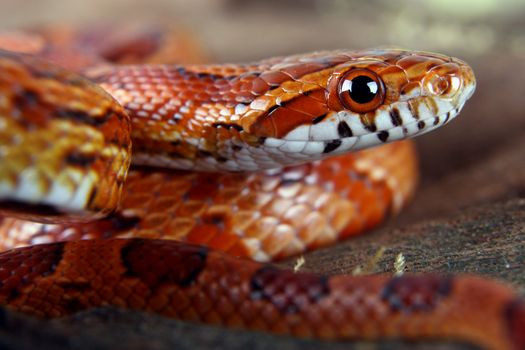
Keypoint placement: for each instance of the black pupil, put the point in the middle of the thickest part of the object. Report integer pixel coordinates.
(362, 89)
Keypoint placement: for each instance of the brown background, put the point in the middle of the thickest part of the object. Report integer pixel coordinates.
(469, 214)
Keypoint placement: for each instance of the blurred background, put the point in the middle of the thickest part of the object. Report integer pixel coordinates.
(249, 29)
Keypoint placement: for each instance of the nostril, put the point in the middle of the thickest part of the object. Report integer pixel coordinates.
(443, 85)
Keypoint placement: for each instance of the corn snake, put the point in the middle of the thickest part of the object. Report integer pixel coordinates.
(235, 125)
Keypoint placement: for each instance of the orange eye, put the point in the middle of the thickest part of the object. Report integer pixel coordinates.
(361, 90)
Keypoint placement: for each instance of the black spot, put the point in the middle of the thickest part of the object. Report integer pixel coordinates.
(236, 148)
(78, 286)
(81, 160)
(331, 145)
(159, 263)
(420, 125)
(383, 135)
(447, 118)
(319, 118)
(273, 285)
(436, 121)
(416, 293)
(395, 117)
(344, 130)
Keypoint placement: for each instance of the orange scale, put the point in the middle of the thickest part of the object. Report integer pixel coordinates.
(190, 209)
(227, 195)
(296, 214)
(354, 227)
(202, 234)
(262, 228)
(278, 206)
(178, 228)
(372, 211)
(239, 249)
(309, 195)
(154, 221)
(278, 240)
(314, 227)
(136, 201)
(223, 241)
(241, 220)
(254, 201)
(164, 205)
(356, 191)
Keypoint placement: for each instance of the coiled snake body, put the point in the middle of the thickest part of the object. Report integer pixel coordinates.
(264, 172)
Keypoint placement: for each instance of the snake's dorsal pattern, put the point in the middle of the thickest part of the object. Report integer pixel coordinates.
(277, 124)
(191, 283)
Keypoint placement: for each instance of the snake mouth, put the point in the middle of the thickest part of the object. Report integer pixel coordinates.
(297, 150)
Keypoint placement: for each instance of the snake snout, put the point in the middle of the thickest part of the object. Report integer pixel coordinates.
(452, 80)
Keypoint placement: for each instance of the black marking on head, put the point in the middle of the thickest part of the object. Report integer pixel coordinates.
(159, 263)
(447, 118)
(319, 118)
(395, 116)
(421, 125)
(369, 125)
(436, 121)
(81, 160)
(272, 285)
(343, 129)
(409, 294)
(383, 135)
(228, 126)
(331, 145)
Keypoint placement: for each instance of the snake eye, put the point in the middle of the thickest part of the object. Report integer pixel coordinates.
(361, 90)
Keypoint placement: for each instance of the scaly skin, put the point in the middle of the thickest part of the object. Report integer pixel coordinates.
(251, 117)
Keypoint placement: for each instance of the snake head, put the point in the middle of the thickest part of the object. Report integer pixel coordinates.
(331, 103)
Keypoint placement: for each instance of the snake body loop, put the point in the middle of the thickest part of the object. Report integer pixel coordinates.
(252, 160)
